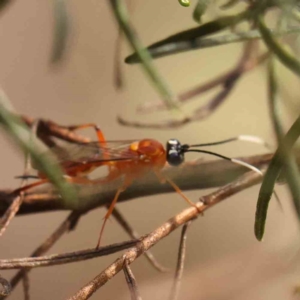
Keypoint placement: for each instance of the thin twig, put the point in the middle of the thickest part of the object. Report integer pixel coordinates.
(5, 287)
(246, 63)
(59, 259)
(10, 213)
(26, 286)
(180, 263)
(17, 202)
(134, 235)
(67, 225)
(240, 67)
(120, 11)
(161, 232)
(131, 282)
(228, 81)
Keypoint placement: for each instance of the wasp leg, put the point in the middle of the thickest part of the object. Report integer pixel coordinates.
(121, 189)
(99, 132)
(162, 178)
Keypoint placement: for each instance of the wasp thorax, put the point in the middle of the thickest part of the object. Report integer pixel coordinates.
(175, 155)
(150, 148)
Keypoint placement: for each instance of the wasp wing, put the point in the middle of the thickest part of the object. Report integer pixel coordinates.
(93, 151)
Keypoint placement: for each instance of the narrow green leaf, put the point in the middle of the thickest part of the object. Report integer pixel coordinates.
(143, 55)
(270, 178)
(61, 30)
(287, 158)
(200, 10)
(194, 33)
(18, 131)
(204, 30)
(283, 55)
(201, 43)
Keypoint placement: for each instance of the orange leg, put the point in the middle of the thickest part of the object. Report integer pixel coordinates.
(111, 208)
(78, 180)
(99, 133)
(163, 179)
(29, 186)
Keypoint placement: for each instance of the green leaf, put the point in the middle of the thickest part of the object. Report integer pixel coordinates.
(18, 131)
(201, 43)
(287, 158)
(143, 55)
(200, 10)
(284, 56)
(270, 178)
(61, 30)
(194, 33)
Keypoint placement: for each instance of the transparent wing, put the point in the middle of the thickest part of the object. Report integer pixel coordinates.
(93, 151)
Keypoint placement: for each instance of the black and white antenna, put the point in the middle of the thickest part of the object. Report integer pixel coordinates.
(175, 150)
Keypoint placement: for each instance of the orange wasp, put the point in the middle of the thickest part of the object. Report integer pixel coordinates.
(128, 160)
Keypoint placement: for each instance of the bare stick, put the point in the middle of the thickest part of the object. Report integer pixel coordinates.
(164, 230)
(68, 224)
(134, 235)
(59, 259)
(26, 286)
(17, 202)
(131, 282)
(244, 65)
(180, 263)
(10, 213)
(5, 287)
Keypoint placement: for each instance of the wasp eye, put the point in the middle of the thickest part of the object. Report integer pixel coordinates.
(175, 155)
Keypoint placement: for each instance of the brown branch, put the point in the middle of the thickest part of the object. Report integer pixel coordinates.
(164, 230)
(131, 282)
(246, 64)
(134, 235)
(10, 212)
(5, 287)
(65, 258)
(17, 202)
(193, 175)
(26, 286)
(67, 225)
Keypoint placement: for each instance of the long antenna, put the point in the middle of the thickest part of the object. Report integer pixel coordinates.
(246, 138)
(233, 160)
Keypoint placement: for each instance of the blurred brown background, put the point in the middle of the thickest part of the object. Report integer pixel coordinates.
(224, 261)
